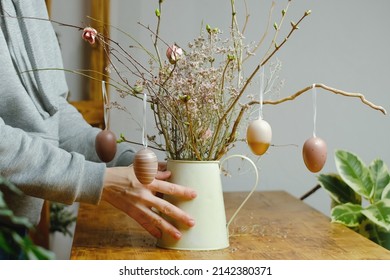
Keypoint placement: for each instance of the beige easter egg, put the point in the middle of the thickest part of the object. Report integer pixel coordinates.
(259, 136)
(314, 154)
(145, 166)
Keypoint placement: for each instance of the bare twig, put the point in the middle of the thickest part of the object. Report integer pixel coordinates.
(294, 27)
(264, 34)
(334, 90)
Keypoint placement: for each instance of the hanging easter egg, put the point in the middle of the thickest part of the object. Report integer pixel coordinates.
(314, 153)
(259, 136)
(145, 166)
(105, 145)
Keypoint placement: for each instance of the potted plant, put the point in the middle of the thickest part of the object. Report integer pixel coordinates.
(16, 245)
(61, 218)
(360, 196)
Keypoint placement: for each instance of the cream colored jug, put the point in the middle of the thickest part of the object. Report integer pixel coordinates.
(208, 209)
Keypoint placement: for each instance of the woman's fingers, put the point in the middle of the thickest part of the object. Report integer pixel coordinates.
(155, 225)
(138, 204)
(173, 212)
(125, 192)
(162, 166)
(165, 187)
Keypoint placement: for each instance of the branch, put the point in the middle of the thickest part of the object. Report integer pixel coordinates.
(334, 90)
(292, 97)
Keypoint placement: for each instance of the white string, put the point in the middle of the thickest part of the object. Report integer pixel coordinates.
(314, 109)
(105, 104)
(261, 92)
(144, 137)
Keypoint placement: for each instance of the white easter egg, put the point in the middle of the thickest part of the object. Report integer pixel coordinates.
(145, 166)
(259, 136)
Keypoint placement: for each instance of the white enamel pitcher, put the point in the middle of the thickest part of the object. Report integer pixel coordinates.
(211, 231)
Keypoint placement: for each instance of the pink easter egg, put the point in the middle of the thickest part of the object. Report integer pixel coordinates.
(314, 154)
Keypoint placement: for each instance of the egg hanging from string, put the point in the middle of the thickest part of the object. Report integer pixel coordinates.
(145, 162)
(314, 153)
(314, 149)
(259, 132)
(145, 166)
(105, 145)
(259, 136)
(105, 141)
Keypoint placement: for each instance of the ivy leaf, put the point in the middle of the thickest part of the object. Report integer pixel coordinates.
(381, 178)
(338, 190)
(379, 213)
(354, 172)
(348, 214)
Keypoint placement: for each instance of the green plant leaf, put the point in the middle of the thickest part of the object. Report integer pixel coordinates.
(354, 172)
(4, 242)
(27, 248)
(386, 192)
(9, 185)
(61, 218)
(338, 190)
(382, 238)
(41, 253)
(348, 214)
(379, 213)
(381, 178)
(2, 201)
(375, 233)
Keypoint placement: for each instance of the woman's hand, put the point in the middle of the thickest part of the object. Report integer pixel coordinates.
(125, 192)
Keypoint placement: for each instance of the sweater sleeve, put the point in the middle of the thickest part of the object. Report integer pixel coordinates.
(46, 148)
(43, 170)
(77, 135)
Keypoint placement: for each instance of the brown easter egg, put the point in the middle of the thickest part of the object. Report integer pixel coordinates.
(314, 153)
(259, 136)
(145, 166)
(105, 145)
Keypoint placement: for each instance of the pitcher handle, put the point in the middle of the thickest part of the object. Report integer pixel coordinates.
(252, 190)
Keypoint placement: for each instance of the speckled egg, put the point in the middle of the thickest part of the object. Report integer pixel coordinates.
(145, 166)
(259, 136)
(314, 154)
(105, 145)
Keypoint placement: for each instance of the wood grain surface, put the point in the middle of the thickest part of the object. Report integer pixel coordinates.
(272, 225)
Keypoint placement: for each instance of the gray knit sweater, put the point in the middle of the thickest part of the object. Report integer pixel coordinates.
(46, 148)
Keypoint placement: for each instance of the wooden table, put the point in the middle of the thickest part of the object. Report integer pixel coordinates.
(272, 225)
